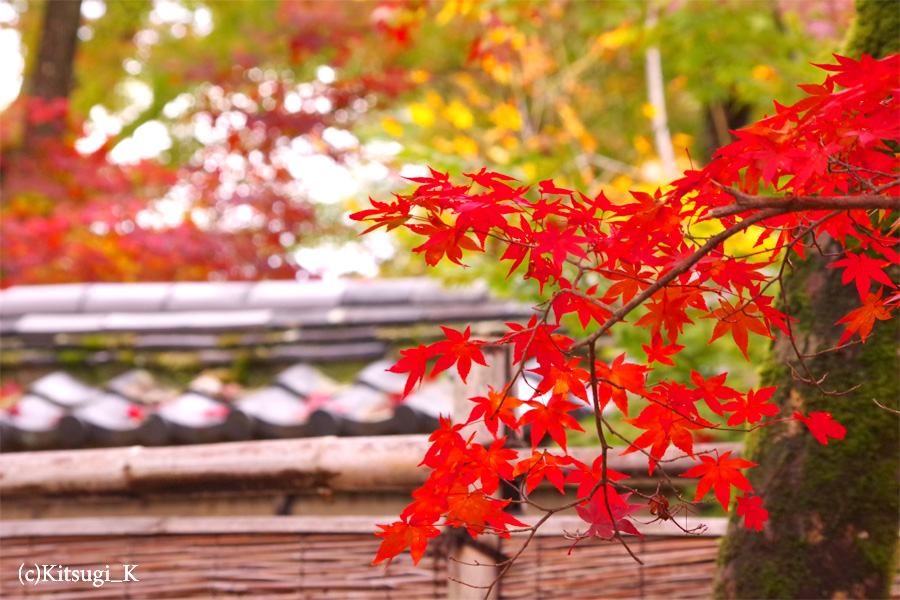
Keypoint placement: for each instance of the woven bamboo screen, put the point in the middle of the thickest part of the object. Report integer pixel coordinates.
(681, 567)
(283, 557)
(260, 566)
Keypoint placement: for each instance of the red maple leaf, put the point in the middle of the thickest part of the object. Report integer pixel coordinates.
(561, 381)
(821, 426)
(750, 507)
(551, 418)
(752, 408)
(668, 312)
(738, 322)
(863, 269)
(401, 535)
(457, 349)
(540, 465)
(602, 519)
(475, 511)
(443, 239)
(658, 352)
(494, 409)
(863, 318)
(720, 474)
(413, 362)
(587, 478)
(628, 284)
(663, 427)
(620, 377)
(443, 441)
(712, 390)
(495, 461)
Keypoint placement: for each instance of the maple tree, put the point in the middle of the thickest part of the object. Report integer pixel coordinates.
(824, 166)
(234, 209)
(223, 202)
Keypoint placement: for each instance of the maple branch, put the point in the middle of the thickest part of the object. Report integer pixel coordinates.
(605, 447)
(744, 202)
(887, 408)
(680, 268)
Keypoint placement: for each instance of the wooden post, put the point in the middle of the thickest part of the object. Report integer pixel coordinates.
(496, 375)
(472, 564)
(471, 569)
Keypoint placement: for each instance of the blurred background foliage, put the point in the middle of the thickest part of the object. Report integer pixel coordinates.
(243, 133)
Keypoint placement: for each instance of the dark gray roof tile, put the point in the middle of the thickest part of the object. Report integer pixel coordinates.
(134, 297)
(63, 389)
(329, 353)
(377, 376)
(33, 413)
(203, 296)
(37, 323)
(275, 405)
(434, 294)
(304, 380)
(220, 320)
(293, 295)
(361, 403)
(59, 298)
(194, 410)
(139, 386)
(111, 412)
(378, 292)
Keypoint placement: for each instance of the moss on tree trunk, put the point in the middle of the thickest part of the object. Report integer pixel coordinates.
(834, 511)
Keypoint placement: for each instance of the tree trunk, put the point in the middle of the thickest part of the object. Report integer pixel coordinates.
(52, 76)
(834, 511)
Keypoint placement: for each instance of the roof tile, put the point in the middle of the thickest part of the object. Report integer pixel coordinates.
(58, 298)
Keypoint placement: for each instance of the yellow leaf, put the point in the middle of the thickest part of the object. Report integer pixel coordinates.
(392, 126)
(421, 114)
(648, 110)
(622, 183)
(420, 76)
(443, 145)
(502, 73)
(488, 63)
(588, 142)
(507, 116)
(529, 171)
(434, 99)
(642, 144)
(682, 140)
(764, 73)
(497, 35)
(612, 40)
(498, 155)
(465, 146)
(458, 114)
(450, 9)
(518, 40)
(678, 83)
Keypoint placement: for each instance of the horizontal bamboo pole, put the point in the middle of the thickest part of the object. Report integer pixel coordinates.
(383, 463)
(276, 526)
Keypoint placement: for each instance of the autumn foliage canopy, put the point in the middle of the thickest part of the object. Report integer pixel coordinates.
(825, 167)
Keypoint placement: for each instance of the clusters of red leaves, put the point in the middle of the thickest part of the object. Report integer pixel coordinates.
(837, 144)
(72, 217)
(69, 217)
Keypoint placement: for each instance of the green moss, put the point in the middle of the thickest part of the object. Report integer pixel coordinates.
(876, 29)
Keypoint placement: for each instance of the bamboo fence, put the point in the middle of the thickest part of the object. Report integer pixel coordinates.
(330, 558)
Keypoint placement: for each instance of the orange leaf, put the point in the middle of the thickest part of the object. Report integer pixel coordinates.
(720, 474)
(862, 319)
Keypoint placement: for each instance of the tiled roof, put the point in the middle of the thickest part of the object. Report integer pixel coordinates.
(300, 324)
(59, 411)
